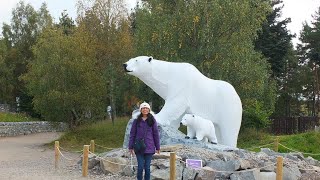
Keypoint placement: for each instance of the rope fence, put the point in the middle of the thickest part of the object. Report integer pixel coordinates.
(258, 147)
(89, 149)
(276, 144)
(298, 151)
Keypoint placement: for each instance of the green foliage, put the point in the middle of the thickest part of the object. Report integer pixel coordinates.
(274, 42)
(63, 78)
(107, 23)
(256, 117)
(66, 23)
(20, 36)
(309, 57)
(10, 117)
(251, 137)
(274, 39)
(6, 88)
(291, 87)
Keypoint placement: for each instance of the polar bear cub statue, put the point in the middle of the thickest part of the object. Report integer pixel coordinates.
(199, 128)
(186, 90)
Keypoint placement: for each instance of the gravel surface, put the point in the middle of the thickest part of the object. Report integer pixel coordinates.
(26, 158)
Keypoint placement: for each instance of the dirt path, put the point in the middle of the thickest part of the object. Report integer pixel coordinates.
(26, 157)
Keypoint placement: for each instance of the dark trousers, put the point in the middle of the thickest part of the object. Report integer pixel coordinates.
(144, 161)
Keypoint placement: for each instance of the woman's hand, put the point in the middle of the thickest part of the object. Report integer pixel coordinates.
(158, 151)
(131, 151)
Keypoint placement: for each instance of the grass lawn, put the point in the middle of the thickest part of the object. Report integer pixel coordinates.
(15, 117)
(308, 142)
(103, 133)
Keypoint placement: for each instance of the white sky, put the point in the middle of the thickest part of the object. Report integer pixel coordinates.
(298, 10)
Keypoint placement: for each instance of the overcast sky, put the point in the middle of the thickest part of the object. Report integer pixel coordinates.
(298, 10)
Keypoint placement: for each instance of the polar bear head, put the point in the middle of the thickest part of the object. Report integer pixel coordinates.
(139, 66)
(188, 119)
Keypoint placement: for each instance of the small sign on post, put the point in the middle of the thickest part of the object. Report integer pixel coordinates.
(194, 163)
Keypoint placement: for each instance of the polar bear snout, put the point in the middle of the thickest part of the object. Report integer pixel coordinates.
(125, 67)
(183, 122)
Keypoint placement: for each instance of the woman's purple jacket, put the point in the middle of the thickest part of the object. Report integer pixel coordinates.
(151, 138)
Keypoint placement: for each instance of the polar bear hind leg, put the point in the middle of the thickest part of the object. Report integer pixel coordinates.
(227, 138)
(212, 137)
(199, 136)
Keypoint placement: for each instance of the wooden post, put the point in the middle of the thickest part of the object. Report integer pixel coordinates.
(56, 154)
(172, 166)
(85, 160)
(279, 168)
(92, 146)
(276, 144)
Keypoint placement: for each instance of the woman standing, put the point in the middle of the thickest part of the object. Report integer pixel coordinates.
(145, 127)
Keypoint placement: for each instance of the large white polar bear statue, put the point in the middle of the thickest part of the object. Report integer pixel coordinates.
(199, 128)
(186, 90)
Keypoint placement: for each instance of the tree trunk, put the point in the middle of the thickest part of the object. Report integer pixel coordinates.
(317, 85)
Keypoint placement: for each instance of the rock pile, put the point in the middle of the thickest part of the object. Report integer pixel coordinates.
(233, 165)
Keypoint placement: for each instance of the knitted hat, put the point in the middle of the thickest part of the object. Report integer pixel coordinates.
(144, 104)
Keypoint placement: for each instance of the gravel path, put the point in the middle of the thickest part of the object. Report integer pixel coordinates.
(26, 157)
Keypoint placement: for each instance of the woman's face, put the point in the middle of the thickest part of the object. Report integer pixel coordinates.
(145, 111)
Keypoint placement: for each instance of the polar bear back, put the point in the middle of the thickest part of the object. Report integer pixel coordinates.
(223, 100)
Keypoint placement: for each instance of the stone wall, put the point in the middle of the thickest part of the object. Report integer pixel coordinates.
(4, 107)
(23, 128)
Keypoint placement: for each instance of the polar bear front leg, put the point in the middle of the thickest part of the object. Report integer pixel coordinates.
(171, 112)
(191, 133)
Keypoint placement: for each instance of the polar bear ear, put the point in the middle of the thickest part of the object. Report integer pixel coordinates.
(150, 58)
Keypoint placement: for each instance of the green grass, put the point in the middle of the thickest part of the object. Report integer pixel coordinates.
(103, 133)
(15, 117)
(308, 142)
(250, 138)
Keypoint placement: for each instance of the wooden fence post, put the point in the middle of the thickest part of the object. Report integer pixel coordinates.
(56, 154)
(85, 160)
(92, 146)
(172, 166)
(279, 168)
(276, 144)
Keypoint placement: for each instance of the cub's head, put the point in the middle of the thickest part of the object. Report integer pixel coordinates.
(139, 66)
(187, 119)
